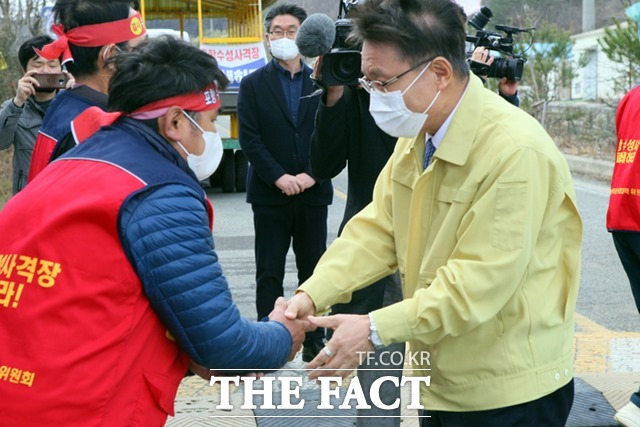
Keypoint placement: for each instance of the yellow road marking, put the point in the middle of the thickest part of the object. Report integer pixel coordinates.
(591, 342)
(340, 194)
(592, 345)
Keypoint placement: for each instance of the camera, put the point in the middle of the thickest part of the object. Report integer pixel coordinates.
(341, 65)
(510, 66)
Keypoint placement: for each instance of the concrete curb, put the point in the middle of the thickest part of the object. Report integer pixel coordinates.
(594, 168)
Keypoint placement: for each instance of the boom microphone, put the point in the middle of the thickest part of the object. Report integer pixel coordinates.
(316, 35)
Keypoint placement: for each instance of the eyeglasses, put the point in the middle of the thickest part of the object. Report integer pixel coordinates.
(278, 34)
(371, 85)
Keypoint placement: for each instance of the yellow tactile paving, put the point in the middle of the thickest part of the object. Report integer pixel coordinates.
(592, 344)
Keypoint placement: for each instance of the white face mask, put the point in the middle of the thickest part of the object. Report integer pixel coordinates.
(204, 165)
(284, 49)
(392, 115)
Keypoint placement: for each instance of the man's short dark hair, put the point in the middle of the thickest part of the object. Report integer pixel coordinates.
(284, 9)
(26, 52)
(160, 68)
(420, 29)
(77, 13)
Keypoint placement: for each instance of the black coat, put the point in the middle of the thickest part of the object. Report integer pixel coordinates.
(272, 142)
(346, 134)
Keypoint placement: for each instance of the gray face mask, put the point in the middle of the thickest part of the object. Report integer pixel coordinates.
(205, 164)
(392, 115)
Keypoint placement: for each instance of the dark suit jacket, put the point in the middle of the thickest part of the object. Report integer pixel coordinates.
(272, 142)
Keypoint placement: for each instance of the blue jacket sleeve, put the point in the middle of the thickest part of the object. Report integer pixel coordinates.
(166, 236)
(511, 99)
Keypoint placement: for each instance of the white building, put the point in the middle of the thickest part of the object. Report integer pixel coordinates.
(596, 80)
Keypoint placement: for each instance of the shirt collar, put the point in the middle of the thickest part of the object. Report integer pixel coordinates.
(286, 72)
(437, 138)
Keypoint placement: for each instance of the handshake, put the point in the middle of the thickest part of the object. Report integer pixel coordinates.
(342, 353)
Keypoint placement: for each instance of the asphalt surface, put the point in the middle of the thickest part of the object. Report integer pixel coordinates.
(607, 341)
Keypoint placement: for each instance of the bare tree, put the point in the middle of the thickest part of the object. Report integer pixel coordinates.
(19, 20)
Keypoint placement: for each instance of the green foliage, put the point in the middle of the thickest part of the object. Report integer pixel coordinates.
(566, 14)
(621, 44)
(548, 69)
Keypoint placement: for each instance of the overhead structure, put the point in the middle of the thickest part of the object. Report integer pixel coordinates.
(244, 17)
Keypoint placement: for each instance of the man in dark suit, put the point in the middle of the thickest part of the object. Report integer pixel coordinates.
(276, 118)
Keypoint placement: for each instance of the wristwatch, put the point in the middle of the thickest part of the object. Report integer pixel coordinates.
(374, 337)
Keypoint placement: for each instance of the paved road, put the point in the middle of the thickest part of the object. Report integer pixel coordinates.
(607, 326)
(604, 297)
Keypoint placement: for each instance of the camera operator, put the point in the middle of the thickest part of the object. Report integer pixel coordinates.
(347, 136)
(507, 89)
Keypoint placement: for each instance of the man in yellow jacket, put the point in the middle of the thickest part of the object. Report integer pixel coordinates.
(476, 209)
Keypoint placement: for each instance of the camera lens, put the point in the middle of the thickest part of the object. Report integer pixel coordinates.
(345, 68)
(341, 68)
(511, 68)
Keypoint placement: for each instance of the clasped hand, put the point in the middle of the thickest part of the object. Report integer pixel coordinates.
(292, 185)
(349, 342)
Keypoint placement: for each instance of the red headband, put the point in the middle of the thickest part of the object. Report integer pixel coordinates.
(91, 36)
(92, 119)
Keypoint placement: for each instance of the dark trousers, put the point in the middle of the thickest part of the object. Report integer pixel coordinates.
(276, 229)
(628, 247)
(386, 357)
(548, 411)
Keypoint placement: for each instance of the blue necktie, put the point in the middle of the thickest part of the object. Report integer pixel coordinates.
(428, 152)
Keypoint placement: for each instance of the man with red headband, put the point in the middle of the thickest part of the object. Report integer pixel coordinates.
(111, 282)
(89, 31)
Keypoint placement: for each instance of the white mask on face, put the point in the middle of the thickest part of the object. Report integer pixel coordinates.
(392, 115)
(284, 49)
(204, 165)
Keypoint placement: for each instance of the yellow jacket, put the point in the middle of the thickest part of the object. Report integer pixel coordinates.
(487, 242)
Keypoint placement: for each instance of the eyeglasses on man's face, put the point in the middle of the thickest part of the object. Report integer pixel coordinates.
(278, 33)
(371, 85)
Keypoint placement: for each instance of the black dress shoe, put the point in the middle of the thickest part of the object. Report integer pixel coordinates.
(310, 350)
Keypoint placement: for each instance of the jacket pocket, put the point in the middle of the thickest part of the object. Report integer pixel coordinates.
(452, 205)
(453, 194)
(29, 122)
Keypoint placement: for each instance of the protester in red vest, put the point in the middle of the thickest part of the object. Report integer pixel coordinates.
(623, 216)
(89, 33)
(109, 281)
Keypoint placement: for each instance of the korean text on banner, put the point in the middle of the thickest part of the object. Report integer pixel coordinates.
(237, 60)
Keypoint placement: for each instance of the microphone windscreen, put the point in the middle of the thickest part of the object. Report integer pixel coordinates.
(316, 35)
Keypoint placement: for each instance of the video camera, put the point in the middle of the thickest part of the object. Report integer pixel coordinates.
(320, 36)
(341, 66)
(510, 66)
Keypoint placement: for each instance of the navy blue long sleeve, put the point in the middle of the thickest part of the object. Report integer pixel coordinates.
(166, 236)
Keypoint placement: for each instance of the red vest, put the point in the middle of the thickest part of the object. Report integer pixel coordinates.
(79, 342)
(624, 201)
